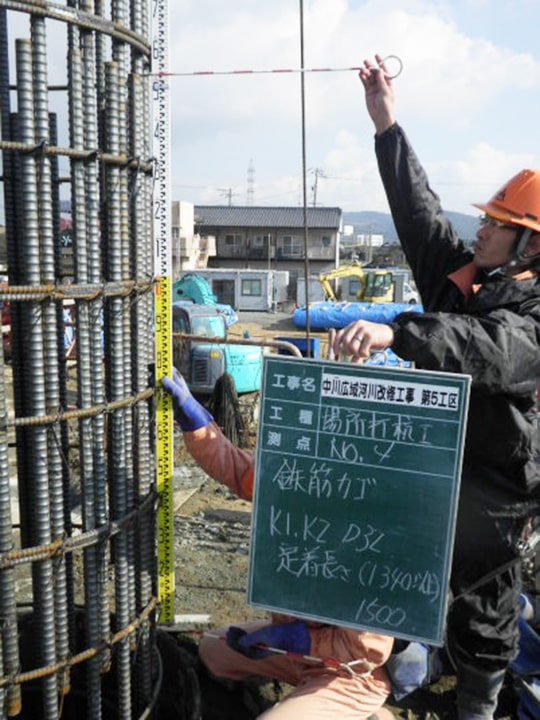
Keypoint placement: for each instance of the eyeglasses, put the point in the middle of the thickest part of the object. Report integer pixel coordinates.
(487, 221)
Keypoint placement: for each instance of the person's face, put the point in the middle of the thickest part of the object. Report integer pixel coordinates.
(494, 243)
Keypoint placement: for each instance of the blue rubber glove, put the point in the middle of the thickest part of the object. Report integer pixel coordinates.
(291, 637)
(188, 412)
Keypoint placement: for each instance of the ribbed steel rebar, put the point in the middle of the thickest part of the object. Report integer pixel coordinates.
(120, 58)
(105, 401)
(50, 334)
(115, 366)
(142, 347)
(11, 699)
(141, 358)
(73, 15)
(34, 375)
(62, 435)
(84, 369)
(94, 259)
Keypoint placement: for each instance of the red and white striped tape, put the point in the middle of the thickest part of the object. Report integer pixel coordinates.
(278, 71)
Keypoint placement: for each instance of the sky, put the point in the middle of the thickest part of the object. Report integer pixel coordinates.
(468, 98)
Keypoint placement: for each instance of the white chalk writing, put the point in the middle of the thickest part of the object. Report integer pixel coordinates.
(321, 480)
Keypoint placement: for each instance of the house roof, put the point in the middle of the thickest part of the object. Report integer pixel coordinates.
(269, 217)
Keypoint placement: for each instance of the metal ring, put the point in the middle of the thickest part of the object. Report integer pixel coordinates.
(400, 66)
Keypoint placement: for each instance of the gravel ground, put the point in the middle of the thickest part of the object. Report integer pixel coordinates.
(211, 543)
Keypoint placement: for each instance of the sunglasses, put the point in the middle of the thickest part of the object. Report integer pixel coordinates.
(487, 221)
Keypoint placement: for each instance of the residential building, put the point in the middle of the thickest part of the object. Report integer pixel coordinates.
(190, 251)
(272, 238)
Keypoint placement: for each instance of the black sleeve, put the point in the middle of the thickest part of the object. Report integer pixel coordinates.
(499, 350)
(428, 239)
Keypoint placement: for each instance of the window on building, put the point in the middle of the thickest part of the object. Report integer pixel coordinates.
(354, 286)
(233, 244)
(290, 246)
(262, 240)
(252, 287)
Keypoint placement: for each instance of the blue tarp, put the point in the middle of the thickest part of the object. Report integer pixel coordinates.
(326, 315)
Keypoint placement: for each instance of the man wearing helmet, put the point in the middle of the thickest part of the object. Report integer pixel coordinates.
(513, 208)
(482, 318)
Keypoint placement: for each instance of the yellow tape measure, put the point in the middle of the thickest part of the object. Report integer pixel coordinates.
(162, 308)
(164, 453)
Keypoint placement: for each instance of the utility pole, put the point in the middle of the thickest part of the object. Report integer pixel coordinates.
(370, 244)
(318, 173)
(250, 183)
(228, 193)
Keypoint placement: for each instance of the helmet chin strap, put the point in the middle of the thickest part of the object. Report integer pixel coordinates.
(518, 257)
(518, 260)
(521, 243)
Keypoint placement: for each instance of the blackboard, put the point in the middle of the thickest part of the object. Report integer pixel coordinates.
(356, 484)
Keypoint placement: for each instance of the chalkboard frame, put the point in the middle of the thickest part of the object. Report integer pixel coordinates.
(359, 579)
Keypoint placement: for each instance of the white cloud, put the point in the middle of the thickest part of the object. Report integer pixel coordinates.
(467, 96)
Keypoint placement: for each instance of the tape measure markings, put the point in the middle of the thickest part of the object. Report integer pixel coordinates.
(162, 313)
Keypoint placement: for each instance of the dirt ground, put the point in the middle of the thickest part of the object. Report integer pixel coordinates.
(211, 544)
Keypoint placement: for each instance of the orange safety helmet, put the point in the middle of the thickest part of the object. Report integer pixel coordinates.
(517, 202)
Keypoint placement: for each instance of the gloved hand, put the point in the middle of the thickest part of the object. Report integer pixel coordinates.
(188, 412)
(292, 637)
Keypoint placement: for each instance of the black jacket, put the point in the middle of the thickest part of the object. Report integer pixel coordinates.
(491, 334)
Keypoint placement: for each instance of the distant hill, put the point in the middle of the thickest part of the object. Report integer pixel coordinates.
(382, 224)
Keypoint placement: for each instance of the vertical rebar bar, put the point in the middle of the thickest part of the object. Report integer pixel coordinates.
(116, 369)
(62, 438)
(11, 700)
(50, 335)
(141, 266)
(34, 377)
(111, 455)
(84, 368)
(120, 57)
(140, 358)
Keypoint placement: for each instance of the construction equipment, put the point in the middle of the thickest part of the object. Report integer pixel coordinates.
(353, 271)
(195, 288)
(388, 286)
(202, 359)
(371, 285)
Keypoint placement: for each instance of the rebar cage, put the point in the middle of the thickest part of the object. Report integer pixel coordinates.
(77, 477)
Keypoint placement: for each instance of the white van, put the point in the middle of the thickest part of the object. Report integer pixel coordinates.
(409, 295)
